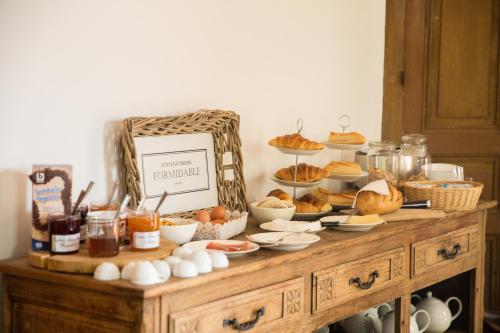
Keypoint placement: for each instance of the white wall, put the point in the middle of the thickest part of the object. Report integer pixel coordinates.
(70, 71)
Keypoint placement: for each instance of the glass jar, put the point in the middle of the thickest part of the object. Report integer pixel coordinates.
(101, 205)
(383, 161)
(64, 233)
(414, 156)
(83, 211)
(103, 234)
(144, 230)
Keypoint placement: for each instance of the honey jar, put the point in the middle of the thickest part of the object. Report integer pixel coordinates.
(64, 233)
(103, 234)
(144, 230)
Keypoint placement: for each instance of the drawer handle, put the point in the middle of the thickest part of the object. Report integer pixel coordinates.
(450, 255)
(244, 326)
(364, 285)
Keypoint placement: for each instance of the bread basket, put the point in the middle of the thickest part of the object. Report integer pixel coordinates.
(449, 198)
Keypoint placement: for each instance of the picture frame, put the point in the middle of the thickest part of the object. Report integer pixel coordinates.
(224, 128)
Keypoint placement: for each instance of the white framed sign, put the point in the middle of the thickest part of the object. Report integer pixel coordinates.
(181, 164)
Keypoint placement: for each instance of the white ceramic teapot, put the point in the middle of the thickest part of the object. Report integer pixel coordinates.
(387, 323)
(360, 322)
(439, 312)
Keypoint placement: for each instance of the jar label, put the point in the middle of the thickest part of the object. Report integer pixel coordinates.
(65, 243)
(83, 232)
(146, 240)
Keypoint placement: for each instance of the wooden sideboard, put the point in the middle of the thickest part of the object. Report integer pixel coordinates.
(289, 291)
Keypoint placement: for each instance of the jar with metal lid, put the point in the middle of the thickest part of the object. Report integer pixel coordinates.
(64, 233)
(414, 156)
(383, 161)
(103, 234)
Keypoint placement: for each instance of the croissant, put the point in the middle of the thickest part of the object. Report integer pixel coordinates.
(310, 204)
(305, 173)
(295, 141)
(369, 202)
(333, 198)
(351, 138)
(280, 194)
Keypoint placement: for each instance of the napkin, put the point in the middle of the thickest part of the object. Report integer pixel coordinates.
(294, 226)
(378, 186)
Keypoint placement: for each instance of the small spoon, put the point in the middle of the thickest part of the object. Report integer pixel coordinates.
(162, 199)
(113, 192)
(124, 204)
(141, 203)
(82, 196)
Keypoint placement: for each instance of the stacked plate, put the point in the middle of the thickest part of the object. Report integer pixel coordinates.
(284, 241)
(341, 223)
(292, 226)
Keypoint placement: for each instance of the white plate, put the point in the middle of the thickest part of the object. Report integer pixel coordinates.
(270, 226)
(349, 178)
(298, 151)
(309, 215)
(355, 227)
(202, 245)
(295, 184)
(342, 146)
(292, 241)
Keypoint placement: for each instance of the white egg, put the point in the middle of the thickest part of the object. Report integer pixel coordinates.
(127, 270)
(163, 269)
(185, 269)
(182, 252)
(202, 261)
(219, 259)
(172, 261)
(145, 273)
(107, 271)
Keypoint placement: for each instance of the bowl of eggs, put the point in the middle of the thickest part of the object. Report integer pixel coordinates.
(219, 223)
(177, 229)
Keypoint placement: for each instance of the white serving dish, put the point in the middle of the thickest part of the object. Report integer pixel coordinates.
(233, 227)
(268, 214)
(288, 241)
(202, 245)
(342, 146)
(295, 184)
(355, 227)
(292, 226)
(349, 178)
(182, 232)
(298, 151)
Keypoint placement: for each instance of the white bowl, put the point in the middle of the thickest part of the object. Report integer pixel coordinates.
(172, 261)
(182, 232)
(163, 269)
(107, 271)
(182, 252)
(127, 270)
(145, 273)
(269, 214)
(202, 260)
(185, 269)
(219, 259)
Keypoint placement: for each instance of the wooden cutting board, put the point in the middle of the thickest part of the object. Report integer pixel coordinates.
(81, 262)
(409, 214)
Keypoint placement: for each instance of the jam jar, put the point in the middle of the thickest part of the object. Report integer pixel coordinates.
(83, 211)
(64, 233)
(144, 230)
(103, 234)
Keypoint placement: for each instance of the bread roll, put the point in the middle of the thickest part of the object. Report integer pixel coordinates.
(310, 204)
(343, 168)
(280, 194)
(295, 141)
(350, 138)
(333, 198)
(305, 173)
(369, 202)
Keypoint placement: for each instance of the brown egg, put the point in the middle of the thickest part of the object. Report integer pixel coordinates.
(202, 216)
(218, 213)
(218, 221)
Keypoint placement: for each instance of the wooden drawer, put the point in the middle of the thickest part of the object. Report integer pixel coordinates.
(339, 284)
(281, 303)
(435, 252)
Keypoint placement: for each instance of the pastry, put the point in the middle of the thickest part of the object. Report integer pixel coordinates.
(310, 204)
(280, 194)
(378, 174)
(305, 173)
(343, 168)
(295, 141)
(351, 138)
(369, 202)
(340, 199)
(273, 202)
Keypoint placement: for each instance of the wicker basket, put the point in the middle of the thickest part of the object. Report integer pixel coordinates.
(445, 198)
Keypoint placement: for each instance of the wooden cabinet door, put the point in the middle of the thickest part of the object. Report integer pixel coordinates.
(441, 79)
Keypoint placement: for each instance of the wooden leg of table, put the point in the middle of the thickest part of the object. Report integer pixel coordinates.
(476, 296)
(403, 314)
(6, 313)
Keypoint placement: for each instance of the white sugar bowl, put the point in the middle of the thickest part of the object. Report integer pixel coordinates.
(439, 312)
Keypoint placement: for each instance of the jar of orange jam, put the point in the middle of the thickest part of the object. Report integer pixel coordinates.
(144, 230)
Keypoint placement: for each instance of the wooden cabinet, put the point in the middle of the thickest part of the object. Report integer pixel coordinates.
(343, 283)
(267, 291)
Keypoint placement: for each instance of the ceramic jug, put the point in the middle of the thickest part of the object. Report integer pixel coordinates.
(387, 323)
(439, 312)
(360, 322)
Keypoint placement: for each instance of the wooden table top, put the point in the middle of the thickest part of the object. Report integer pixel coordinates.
(331, 242)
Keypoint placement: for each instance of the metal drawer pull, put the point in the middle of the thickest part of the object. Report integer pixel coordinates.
(364, 285)
(450, 255)
(244, 326)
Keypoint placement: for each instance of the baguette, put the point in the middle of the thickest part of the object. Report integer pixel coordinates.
(369, 202)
